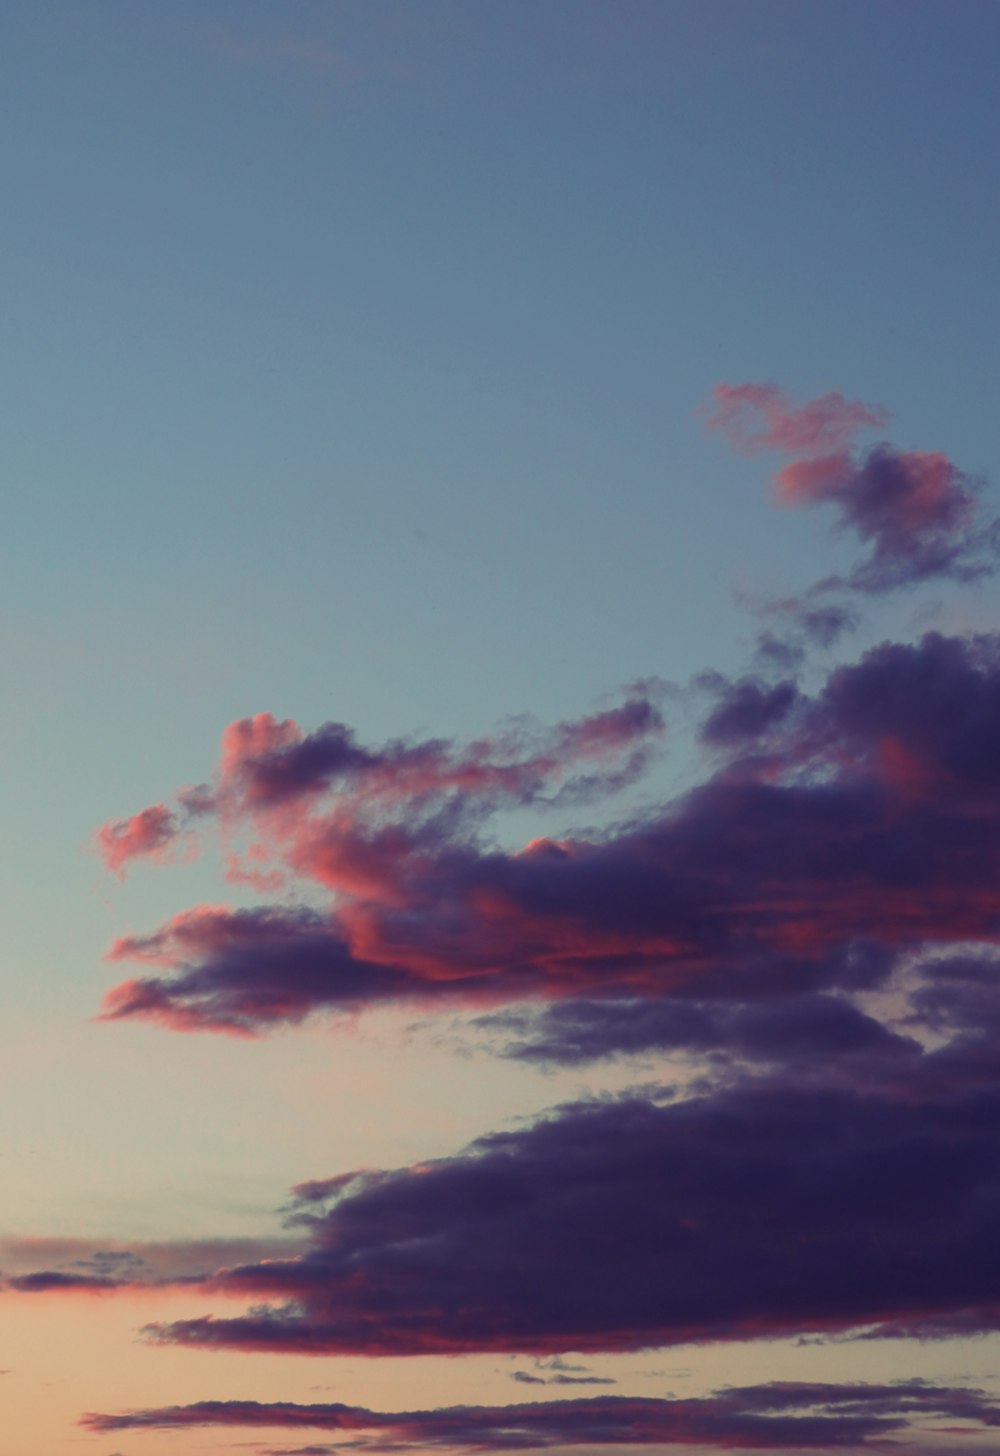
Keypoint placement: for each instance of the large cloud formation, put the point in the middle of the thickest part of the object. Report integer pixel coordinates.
(784, 1416)
(835, 833)
(856, 1189)
(806, 945)
(765, 1209)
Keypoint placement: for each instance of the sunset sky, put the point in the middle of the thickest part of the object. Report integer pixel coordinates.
(501, 637)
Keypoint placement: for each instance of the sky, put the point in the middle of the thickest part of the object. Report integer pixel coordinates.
(501, 638)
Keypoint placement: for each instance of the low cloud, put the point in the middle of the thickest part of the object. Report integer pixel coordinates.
(631, 1223)
(71, 1265)
(783, 1416)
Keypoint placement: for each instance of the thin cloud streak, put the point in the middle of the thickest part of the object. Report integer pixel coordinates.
(782, 1416)
(74, 1265)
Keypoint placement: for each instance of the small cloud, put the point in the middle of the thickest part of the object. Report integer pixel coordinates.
(150, 833)
(914, 510)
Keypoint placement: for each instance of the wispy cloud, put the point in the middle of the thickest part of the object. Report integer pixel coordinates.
(93, 1265)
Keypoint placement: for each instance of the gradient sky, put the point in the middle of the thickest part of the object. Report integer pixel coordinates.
(591, 409)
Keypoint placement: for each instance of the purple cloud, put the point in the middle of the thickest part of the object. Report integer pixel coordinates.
(780, 1417)
(822, 1173)
(75, 1265)
(772, 1206)
(747, 709)
(915, 511)
(842, 831)
(785, 1030)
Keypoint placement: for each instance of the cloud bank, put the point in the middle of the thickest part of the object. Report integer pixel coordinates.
(852, 1186)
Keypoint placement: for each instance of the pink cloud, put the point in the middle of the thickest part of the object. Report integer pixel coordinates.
(248, 739)
(150, 833)
(825, 824)
(757, 417)
(915, 510)
(347, 816)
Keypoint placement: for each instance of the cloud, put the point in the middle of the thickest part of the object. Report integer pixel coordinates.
(559, 1377)
(759, 417)
(802, 624)
(781, 1416)
(151, 832)
(96, 1266)
(272, 771)
(266, 763)
(809, 937)
(783, 1029)
(747, 709)
(836, 833)
(47, 1281)
(768, 1207)
(252, 969)
(915, 511)
(826, 1174)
